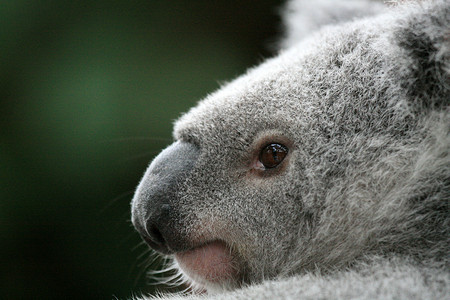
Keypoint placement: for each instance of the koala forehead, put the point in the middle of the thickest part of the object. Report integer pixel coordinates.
(244, 107)
(293, 92)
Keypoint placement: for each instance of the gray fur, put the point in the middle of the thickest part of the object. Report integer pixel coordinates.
(361, 206)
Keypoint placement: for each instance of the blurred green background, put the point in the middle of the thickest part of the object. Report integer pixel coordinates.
(88, 94)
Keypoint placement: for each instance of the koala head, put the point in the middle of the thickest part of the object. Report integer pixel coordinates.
(320, 156)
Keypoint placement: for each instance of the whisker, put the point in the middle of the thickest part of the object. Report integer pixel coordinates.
(114, 200)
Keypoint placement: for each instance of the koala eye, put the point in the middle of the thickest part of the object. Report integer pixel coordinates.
(272, 155)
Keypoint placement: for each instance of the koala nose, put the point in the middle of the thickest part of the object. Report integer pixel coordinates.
(155, 213)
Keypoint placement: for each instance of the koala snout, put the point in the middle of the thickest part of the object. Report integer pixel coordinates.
(155, 213)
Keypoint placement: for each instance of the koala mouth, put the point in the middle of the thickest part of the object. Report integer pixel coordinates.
(210, 263)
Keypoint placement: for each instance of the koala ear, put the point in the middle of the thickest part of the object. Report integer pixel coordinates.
(426, 44)
(303, 17)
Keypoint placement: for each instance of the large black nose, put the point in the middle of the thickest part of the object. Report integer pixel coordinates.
(155, 210)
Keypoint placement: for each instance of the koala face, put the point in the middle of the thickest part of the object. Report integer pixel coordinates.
(306, 162)
(236, 188)
(233, 193)
(239, 194)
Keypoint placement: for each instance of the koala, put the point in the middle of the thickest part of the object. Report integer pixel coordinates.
(322, 173)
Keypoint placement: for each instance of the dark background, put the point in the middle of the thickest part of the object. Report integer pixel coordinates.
(88, 94)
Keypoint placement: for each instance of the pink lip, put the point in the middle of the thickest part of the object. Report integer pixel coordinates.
(212, 262)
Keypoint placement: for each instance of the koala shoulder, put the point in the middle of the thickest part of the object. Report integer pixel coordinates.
(382, 279)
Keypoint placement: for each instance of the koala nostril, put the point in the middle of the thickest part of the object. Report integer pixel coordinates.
(156, 236)
(157, 227)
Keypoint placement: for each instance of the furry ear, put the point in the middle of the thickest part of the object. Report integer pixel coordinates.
(303, 17)
(426, 44)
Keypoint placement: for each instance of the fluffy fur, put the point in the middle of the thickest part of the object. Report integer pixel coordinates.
(361, 206)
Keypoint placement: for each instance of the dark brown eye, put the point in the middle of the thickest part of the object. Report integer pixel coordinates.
(272, 155)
